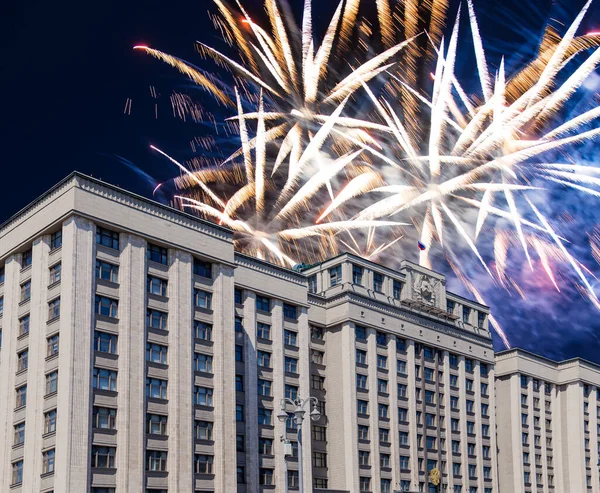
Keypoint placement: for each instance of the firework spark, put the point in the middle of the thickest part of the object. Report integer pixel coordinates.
(380, 145)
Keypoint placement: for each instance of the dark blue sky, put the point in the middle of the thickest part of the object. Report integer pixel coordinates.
(68, 68)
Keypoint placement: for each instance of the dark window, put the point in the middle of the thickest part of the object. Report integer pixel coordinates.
(239, 324)
(2, 275)
(17, 472)
(263, 331)
(26, 259)
(157, 286)
(156, 353)
(203, 430)
(24, 325)
(203, 464)
(397, 289)
(52, 345)
(263, 304)
(466, 313)
(480, 319)
(239, 353)
(156, 319)
(203, 396)
(312, 284)
(156, 254)
(290, 311)
(54, 309)
(202, 330)
(56, 240)
(50, 421)
(357, 274)
(317, 333)
(103, 457)
(335, 275)
(106, 306)
(107, 238)
(106, 271)
(104, 379)
(381, 338)
(377, 282)
(54, 273)
(156, 424)
(156, 461)
(290, 338)
(202, 299)
(239, 416)
(450, 306)
(291, 365)
(237, 293)
(21, 394)
(104, 342)
(361, 333)
(202, 268)
(103, 417)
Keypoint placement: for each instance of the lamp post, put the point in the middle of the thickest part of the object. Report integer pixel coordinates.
(298, 413)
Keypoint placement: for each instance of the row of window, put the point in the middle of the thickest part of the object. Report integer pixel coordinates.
(47, 467)
(51, 387)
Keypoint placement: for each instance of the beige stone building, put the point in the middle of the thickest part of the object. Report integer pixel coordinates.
(548, 428)
(140, 353)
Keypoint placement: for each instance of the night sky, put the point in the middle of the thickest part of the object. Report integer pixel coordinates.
(68, 68)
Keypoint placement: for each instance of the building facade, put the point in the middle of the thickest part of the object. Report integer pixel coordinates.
(140, 353)
(549, 413)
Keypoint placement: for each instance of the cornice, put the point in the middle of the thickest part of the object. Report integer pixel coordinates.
(270, 269)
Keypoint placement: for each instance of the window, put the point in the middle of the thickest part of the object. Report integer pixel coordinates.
(402, 414)
(239, 325)
(319, 433)
(156, 388)
(485, 431)
(527, 477)
(381, 361)
(50, 421)
(27, 258)
(317, 382)
(450, 305)
(202, 330)
(19, 438)
(156, 460)
(453, 402)
(265, 446)
(103, 417)
(483, 369)
(104, 342)
(25, 291)
(466, 313)
(486, 451)
(264, 359)
(51, 382)
(156, 319)
(469, 385)
(397, 289)
(263, 331)
(291, 365)
(106, 271)
(291, 392)
(106, 307)
(363, 458)
(357, 274)
(468, 364)
(241, 474)
(17, 472)
(156, 254)
(455, 446)
(103, 457)
(290, 311)
(363, 432)
(264, 387)
(335, 275)
(52, 345)
(317, 357)
(362, 407)
(264, 416)
(456, 468)
(54, 273)
(203, 464)
(239, 412)
(21, 394)
(202, 299)
(293, 479)
(204, 269)
(382, 386)
(377, 282)
(524, 438)
(107, 238)
(239, 353)
(382, 410)
(470, 449)
(312, 284)
(105, 379)
(430, 443)
(22, 360)
(470, 405)
(1, 305)
(263, 304)
(265, 477)
(484, 409)
(317, 333)
(361, 381)
(381, 338)
(2, 275)
(429, 397)
(203, 362)
(429, 375)
(365, 484)
(430, 419)
(240, 444)
(157, 286)
(470, 427)
(404, 462)
(402, 390)
(454, 424)
(290, 338)
(203, 396)
(156, 424)
(403, 437)
(239, 383)
(484, 389)
(480, 319)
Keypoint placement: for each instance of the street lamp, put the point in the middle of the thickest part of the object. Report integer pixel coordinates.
(298, 416)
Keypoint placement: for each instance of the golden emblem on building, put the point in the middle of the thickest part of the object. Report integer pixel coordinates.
(434, 476)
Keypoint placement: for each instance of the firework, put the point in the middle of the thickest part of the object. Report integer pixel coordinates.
(379, 146)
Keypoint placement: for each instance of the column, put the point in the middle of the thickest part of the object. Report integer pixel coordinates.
(517, 442)
(593, 409)
(181, 384)
(224, 379)
(412, 414)
(447, 420)
(478, 425)
(394, 428)
(8, 363)
(464, 439)
(251, 392)
(278, 364)
(493, 430)
(304, 392)
(36, 380)
(75, 356)
(374, 411)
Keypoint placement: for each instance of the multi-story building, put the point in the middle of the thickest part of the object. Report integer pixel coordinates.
(548, 423)
(141, 353)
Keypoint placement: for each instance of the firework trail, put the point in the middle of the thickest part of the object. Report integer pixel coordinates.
(380, 146)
